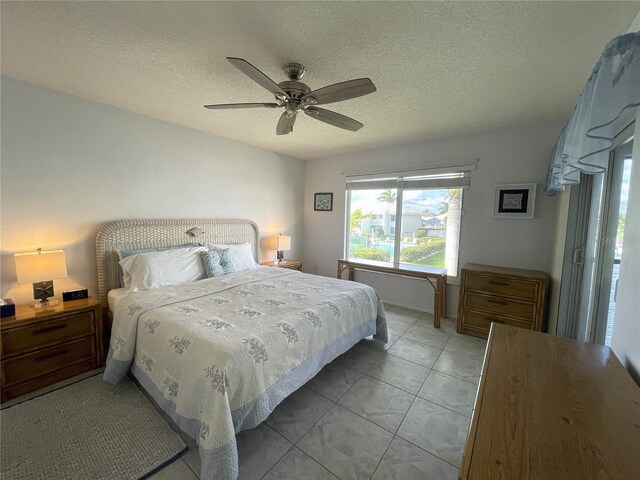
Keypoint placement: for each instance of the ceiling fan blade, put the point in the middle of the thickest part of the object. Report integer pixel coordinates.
(333, 118)
(241, 105)
(339, 92)
(257, 76)
(285, 124)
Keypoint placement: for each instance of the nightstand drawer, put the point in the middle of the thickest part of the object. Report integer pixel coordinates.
(483, 321)
(500, 305)
(22, 340)
(17, 389)
(502, 286)
(42, 362)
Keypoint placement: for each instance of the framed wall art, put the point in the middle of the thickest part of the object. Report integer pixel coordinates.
(323, 202)
(514, 201)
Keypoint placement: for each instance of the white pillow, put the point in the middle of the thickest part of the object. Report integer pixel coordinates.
(241, 254)
(157, 269)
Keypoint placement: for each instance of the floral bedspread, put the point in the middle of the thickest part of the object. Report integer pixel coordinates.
(218, 355)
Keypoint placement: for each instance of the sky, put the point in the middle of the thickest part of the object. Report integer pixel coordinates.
(414, 200)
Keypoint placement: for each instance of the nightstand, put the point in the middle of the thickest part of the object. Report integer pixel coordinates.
(290, 264)
(41, 347)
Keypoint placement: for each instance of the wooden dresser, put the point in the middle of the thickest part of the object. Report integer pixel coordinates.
(551, 408)
(502, 295)
(41, 347)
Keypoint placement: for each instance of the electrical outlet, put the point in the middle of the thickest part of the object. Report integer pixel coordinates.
(314, 267)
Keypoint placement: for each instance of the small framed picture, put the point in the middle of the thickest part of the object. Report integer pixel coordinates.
(323, 202)
(514, 201)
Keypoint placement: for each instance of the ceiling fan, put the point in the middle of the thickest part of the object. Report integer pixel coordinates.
(295, 96)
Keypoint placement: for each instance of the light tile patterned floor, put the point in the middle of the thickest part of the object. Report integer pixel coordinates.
(379, 412)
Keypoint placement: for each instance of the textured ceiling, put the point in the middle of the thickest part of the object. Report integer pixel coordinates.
(442, 69)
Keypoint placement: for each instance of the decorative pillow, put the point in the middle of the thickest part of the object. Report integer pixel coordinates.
(226, 261)
(241, 255)
(211, 262)
(124, 253)
(157, 269)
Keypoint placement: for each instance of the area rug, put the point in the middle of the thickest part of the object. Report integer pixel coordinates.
(88, 430)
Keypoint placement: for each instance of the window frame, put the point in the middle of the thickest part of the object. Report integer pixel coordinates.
(440, 181)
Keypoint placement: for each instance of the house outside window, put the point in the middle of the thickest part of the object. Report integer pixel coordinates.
(412, 221)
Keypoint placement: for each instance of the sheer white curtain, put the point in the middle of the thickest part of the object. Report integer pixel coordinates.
(612, 89)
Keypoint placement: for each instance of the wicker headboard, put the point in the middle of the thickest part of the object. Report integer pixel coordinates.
(139, 234)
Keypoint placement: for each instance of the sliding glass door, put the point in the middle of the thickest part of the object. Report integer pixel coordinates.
(612, 242)
(595, 243)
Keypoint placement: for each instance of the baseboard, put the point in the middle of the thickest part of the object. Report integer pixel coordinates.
(412, 307)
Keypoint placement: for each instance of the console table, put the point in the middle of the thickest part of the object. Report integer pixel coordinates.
(552, 408)
(436, 277)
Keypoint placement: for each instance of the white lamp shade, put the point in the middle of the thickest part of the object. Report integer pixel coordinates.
(283, 243)
(40, 266)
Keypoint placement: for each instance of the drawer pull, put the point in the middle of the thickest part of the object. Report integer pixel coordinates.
(499, 302)
(51, 355)
(495, 320)
(48, 329)
(502, 284)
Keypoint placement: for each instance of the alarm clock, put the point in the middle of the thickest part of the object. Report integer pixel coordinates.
(79, 294)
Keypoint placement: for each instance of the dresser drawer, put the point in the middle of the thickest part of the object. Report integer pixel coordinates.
(502, 286)
(17, 389)
(500, 305)
(22, 340)
(483, 321)
(42, 362)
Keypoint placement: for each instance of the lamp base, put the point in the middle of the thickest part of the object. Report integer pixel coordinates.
(43, 305)
(280, 255)
(43, 290)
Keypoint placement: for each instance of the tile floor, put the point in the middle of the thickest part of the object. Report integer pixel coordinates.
(380, 411)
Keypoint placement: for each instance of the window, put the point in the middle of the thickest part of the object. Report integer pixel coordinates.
(407, 220)
(371, 227)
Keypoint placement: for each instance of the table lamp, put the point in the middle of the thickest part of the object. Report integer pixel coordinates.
(283, 243)
(41, 269)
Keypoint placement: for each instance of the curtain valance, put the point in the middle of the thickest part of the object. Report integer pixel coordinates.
(612, 88)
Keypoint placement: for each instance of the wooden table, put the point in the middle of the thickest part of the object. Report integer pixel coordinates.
(436, 277)
(552, 408)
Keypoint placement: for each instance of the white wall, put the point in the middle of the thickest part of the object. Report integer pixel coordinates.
(625, 341)
(513, 156)
(70, 165)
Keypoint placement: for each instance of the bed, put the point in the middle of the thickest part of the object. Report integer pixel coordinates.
(219, 354)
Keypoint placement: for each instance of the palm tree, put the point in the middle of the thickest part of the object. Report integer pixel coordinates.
(356, 219)
(452, 207)
(387, 196)
(429, 213)
(453, 196)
